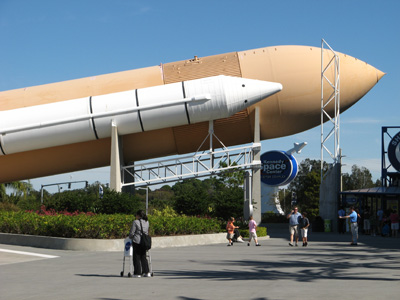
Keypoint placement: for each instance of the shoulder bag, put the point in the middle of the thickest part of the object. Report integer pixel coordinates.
(145, 239)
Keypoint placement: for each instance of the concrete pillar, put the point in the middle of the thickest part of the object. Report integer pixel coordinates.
(329, 196)
(256, 178)
(115, 161)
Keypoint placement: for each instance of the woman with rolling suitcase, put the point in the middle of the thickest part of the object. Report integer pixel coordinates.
(140, 263)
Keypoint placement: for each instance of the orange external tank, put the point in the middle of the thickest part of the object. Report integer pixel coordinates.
(295, 109)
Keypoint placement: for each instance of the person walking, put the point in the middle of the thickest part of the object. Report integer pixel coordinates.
(294, 218)
(140, 263)
(354, 225)
(230, 230)
(253, 231)
(305, 223)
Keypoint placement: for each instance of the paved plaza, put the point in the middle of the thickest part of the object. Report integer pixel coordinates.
(329, 268)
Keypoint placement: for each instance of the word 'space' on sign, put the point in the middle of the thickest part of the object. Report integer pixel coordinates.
(278, 168)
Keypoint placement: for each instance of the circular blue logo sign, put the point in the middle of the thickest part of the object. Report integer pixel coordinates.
(278, 168)
(128, 246)
(394, 151)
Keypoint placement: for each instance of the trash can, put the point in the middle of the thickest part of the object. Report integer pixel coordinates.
(328, 225)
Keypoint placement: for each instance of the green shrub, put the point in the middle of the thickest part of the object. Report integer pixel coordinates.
(29, 203)
(167, 212)
(76, 200)
(190, 198)
(261, 231)
(6, 206)
(87, 200)
(163, 225)
(101, 226)
(119, 203)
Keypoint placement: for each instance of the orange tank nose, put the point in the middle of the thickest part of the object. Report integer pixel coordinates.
(298, 68)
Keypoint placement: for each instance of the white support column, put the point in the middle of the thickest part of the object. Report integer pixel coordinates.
(115, 161)
(211, 135)
(256, 178)
(247, 188)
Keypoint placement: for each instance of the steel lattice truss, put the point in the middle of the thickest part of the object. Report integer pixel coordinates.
(332, 98)
(192, 166)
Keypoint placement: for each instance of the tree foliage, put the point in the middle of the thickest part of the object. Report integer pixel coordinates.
(160, 199)
(305, 186)
(226, 199)
(219, 196)
(359, 178)
(19, 189)
(191, 197)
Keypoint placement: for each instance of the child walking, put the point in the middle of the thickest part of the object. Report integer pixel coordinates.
(305, 223)
(252, 231)
(230, 228)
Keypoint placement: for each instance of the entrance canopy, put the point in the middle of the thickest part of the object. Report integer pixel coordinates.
(374, 198)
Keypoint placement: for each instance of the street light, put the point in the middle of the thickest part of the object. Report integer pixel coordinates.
(60, 188)
(147, 197)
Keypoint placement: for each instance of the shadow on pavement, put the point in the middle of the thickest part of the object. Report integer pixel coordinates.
(320, 269)
(279, 230)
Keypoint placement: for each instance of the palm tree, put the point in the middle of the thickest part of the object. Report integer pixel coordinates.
(21, 188)
(2, 191)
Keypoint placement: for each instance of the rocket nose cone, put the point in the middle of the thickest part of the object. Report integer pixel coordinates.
(257, 90)
(379, 74)
(242, 92)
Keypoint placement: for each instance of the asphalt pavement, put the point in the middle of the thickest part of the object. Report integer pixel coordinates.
(329, 268)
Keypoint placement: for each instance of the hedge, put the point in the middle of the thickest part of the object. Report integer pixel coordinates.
(261, 231)
(100, 226)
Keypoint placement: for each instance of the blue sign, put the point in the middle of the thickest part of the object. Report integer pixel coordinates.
(128, 245)
(394, 151)
(278, 168)
(101, 191)
(350, 200)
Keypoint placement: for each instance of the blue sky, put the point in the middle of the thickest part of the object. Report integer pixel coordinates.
(46, 41)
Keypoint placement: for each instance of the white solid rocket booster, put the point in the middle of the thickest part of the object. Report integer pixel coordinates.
(145, 109)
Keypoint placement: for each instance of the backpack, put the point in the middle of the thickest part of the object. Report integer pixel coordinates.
(145, 239)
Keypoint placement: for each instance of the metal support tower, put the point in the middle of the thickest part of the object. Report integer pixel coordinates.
(330, 74)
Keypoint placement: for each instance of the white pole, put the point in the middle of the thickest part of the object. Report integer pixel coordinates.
(147, 200)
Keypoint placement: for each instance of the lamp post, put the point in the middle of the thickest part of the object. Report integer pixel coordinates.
(59, 189)
(147, 197)
(284, 200)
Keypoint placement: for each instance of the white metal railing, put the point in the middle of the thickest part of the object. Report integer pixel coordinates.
(191, 166)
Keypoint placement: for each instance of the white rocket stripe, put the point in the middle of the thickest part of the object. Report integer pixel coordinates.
(28, 253)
